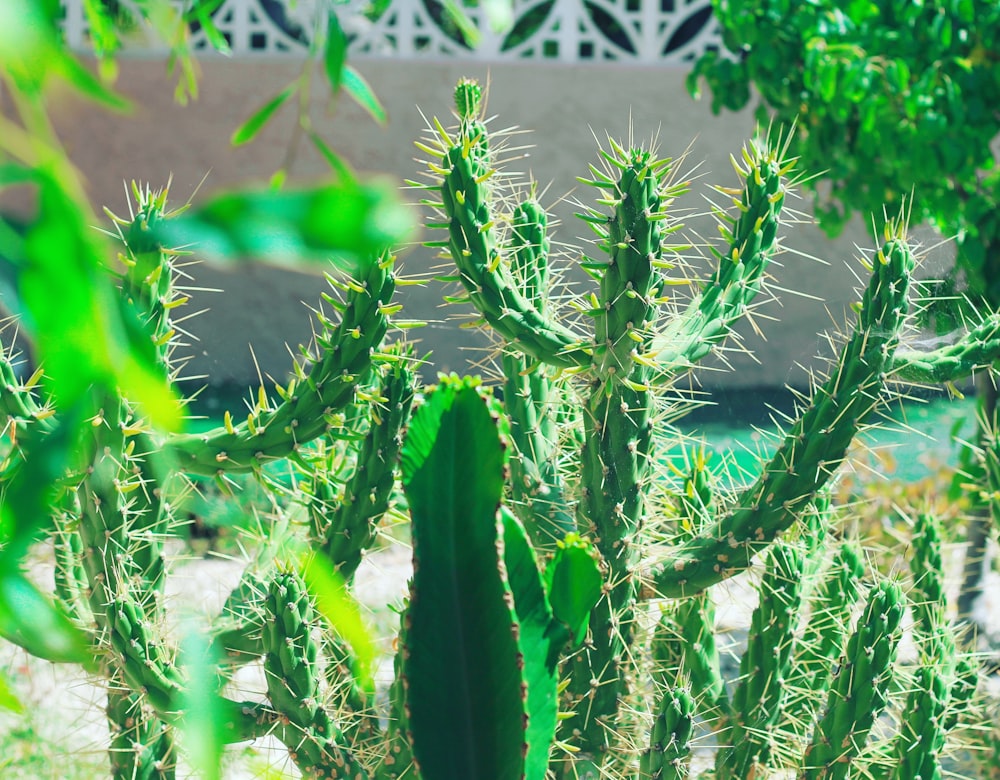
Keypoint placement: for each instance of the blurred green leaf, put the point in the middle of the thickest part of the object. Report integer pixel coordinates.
(202, 12)
(8, 700)
(31, 487)
(249, 129)
(499, 14)
(462, 22)
(347, 222)
(359, 89)
(31, 51)
(337, 165)
(343, 613)
(204, 716)
(27, 43)
(76, 317)
(30, 620)
(335, 54)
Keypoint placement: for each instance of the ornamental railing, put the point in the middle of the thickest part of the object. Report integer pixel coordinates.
(625, 31)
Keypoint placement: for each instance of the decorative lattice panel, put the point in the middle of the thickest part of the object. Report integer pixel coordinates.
(639, 31)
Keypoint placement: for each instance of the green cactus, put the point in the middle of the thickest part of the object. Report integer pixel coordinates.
(823, 638)
(481, 651)
(112, 520)
(559, 620)
(764, 668)
(290, 663)
(634, 353)
(344, 520)
(860, 689)
(665, 758)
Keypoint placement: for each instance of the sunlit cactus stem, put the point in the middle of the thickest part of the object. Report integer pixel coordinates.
(325, 385)
(344, 519)
(532, 396)
(860, 691)
(764, 668)
(815, 445)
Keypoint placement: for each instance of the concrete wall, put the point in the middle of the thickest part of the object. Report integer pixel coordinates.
(562, 105)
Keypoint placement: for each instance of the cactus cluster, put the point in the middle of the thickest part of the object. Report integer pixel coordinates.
(560, 617)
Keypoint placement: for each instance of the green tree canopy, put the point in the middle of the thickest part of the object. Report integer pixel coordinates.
(892, 97)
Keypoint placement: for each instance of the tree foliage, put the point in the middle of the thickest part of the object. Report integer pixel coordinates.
(894, 99)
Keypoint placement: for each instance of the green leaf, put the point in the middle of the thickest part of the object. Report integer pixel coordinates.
(461, 668)
(77, 317)
(28, 44)
(355, 85)
(212, 33)
(8, 700)
(466, 29)
(203, 715)
(30, 620)
(343, 613)
(346, 222)
(335, 53)
(249, 129)
(574, 583)
(337, 165)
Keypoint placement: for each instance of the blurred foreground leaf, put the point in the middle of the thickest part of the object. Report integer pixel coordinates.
(346, 221)
(32, 621)
(84, 335)
(336, 604)
(204, 715)
(8, 700)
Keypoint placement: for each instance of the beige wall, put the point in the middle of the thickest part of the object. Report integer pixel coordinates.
(563, 105)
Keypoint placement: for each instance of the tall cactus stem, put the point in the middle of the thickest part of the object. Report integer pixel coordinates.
(860, 691)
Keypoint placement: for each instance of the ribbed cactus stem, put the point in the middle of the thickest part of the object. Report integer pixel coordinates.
(685, 635)
(764, 668)
(148, 276)
(462, 175)
(290, 664)
(345, 522)
(921, 734)
(615, 460)
(752, 237)
(922, 730)
(70, 575)
(977, 348)
(930, 602)
(530, 396)
(822, 640)
(142, 748)
(860, 690)
(18, 401)
(669, 748)
(816, 444)
(468, 96)
(685, 641)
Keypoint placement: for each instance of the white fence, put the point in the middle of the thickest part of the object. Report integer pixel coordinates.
(627, 31)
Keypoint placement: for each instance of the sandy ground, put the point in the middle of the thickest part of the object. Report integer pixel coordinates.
(62, 734)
